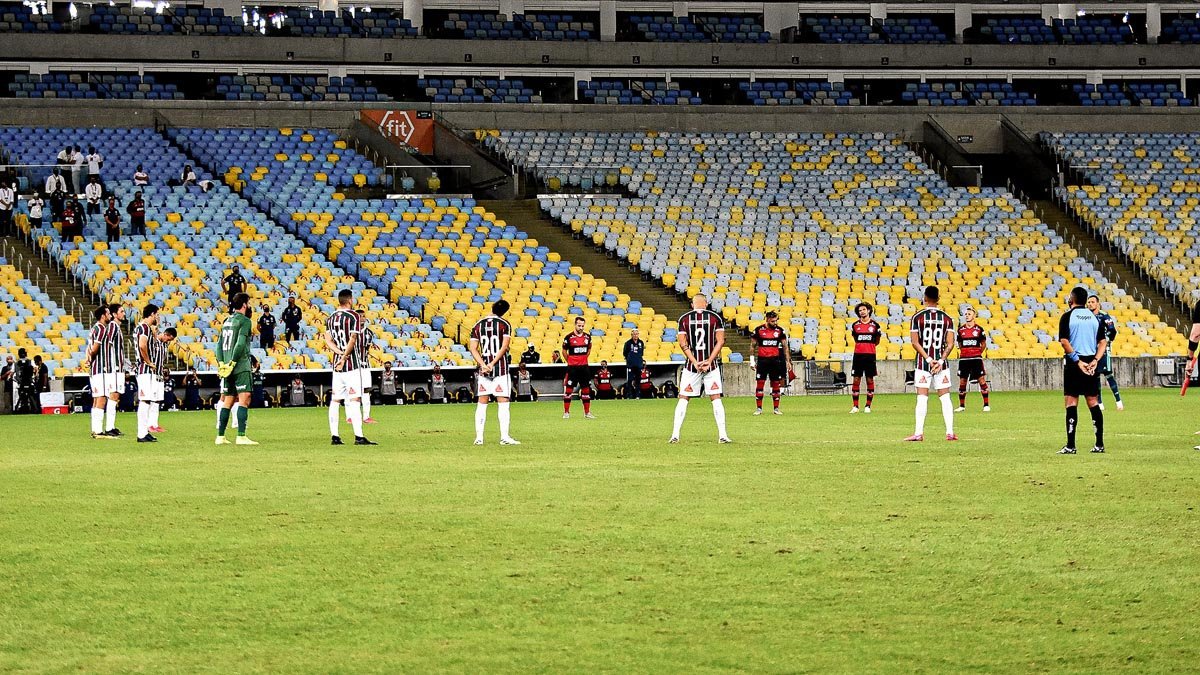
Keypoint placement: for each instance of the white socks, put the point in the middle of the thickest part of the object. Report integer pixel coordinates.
(154, 406)
(354, 412)
(217, 409)
(366, 406)
(110, 415)
(335, 412)
(922, 408)
(681, 413)
(502, 413)
(97, 420)
(719, 416)
(143, 419)
(480, 420)
(947, 413)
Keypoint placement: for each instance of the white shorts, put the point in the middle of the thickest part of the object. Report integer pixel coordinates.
(500, 387)
(150, 387)
(700, 384)
(923, 379)
(346, 385)
(364, 379)
(105, 384)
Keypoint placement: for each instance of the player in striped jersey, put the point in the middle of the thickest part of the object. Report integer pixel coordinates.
(343, 333)
(932, 334)
(701, 336)
(144, 338)
(489, 343)
(365, 345)
(105, 363)
(161, 373)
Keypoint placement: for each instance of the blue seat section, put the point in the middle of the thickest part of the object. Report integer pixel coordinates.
(557, 27)
(1159, 94)
(1182, 30)
(637, 92)
(31, 319)
(1101, 95)
(949, 94)
(19, 18)
(800, 92)
(483, 26)
(126, 20)
(1092, 30)
(666, 28)
(998, 94)
(1013, 30)
(209, 21)
(913, 30)
(90, 85)
(843, 30)
(295, 88)
(736, 28)
(478, 90)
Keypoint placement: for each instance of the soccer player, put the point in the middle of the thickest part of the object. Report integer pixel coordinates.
(972, 341)
(233, 357)
(1082, 338)
(1105, 366)
(1193, 343)
(343, 333)
(161, 376)
(365, 345)
(489, 343)
(866, 333)
(773, 360)
(577, 346)
(701, 337)
(146, 345)
(104, 367)
(932, 333)
(604, 384)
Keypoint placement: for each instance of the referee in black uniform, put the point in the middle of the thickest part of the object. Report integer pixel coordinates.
(1083, 341)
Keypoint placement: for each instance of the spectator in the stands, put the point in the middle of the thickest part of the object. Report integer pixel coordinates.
(55, 190)
(93, 194)
(36, 206)
(63, 160)
(112, 221)
(70, 221)
(140, 177)
(77, 162)
(8, 200)
(434, 183)
(136, 208)
(266, 328)
(234, 283)
(557, 357)
(95, 162)
(187, 176)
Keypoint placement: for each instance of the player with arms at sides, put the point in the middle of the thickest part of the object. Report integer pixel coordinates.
(104, 368)
(343, 335)
(1083, 343)
(577, 346)
(701, 337)
(490, 339)
(365, 345)
(151, 349)
(1105, 366)
(233, 357)
(932, 335)
(773, 360)
(866, 333)
(972, 341)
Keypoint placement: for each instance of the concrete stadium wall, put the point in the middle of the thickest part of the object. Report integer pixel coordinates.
(149, 49)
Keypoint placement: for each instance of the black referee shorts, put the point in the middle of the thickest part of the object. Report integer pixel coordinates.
(1076, 382)
(773, 369)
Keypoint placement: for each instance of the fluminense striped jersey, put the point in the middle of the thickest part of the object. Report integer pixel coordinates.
(108, 359)
(701, 327)
(158, 354)
(341, 325)
(935, 332)
(152, 366)
(365, 340)
(489, 334)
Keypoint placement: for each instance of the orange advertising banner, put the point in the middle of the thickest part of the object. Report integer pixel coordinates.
(403, 127)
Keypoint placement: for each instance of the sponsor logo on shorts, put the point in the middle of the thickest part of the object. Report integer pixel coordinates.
(688, 389)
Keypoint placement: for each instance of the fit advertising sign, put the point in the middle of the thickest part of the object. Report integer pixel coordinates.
(403, 127)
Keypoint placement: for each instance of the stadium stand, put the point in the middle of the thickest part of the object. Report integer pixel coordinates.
(127, 20)
(557, 27)
(637, 92)
(809, 224)
(17, 18)
(193, 238)
(295, 88)
(1158, 94)
(913, 30)
(735, 29)
(444, 257)
(1181, 30)
(839, 30)
(665, 28)
(1141, 199)
(1012, 30)
(209, 21)
(934, 94)
(1087, 30)
(31, 319)
(1093, 95)
(478, 90)
(998, 94)
(349, 24)
(799, 92)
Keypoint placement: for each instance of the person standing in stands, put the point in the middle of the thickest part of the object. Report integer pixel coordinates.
(634, 352)
(36, 206)
(266, 329)
(93, 194)
(291, 320)
(136, 208)
(234, 283)
(8, 199)
(68, 221)
(95, 161)
(112, 221)
(56, 192)
(64, 165)
(77, 162)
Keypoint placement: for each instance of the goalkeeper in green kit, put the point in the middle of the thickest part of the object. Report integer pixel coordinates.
(233, 367)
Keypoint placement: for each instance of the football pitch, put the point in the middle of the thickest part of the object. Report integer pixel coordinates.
(816, 542)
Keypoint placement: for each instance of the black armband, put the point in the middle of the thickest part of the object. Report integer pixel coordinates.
(1192, 345)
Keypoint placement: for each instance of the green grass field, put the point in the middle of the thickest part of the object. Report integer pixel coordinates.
(817, 542)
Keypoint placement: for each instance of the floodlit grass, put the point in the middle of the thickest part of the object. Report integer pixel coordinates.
(817, 542)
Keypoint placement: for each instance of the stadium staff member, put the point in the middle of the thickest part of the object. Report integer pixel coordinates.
(8, 199)
(112, 221)
(531, 356)
(634, 353)
(136, 209)
(266, 329)
(234, 283)
(1193, 343)
(92, 194)
(1083, 341)
(291, 320)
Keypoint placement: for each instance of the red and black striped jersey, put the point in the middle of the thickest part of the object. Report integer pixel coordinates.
(107, 359)
(342, 325)
(867, 335)
(603, 379)
(933, 329)
(577, 348)
(770, 341)
(701, 327)
(146, 367)
(489, 334)
(971, 342)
